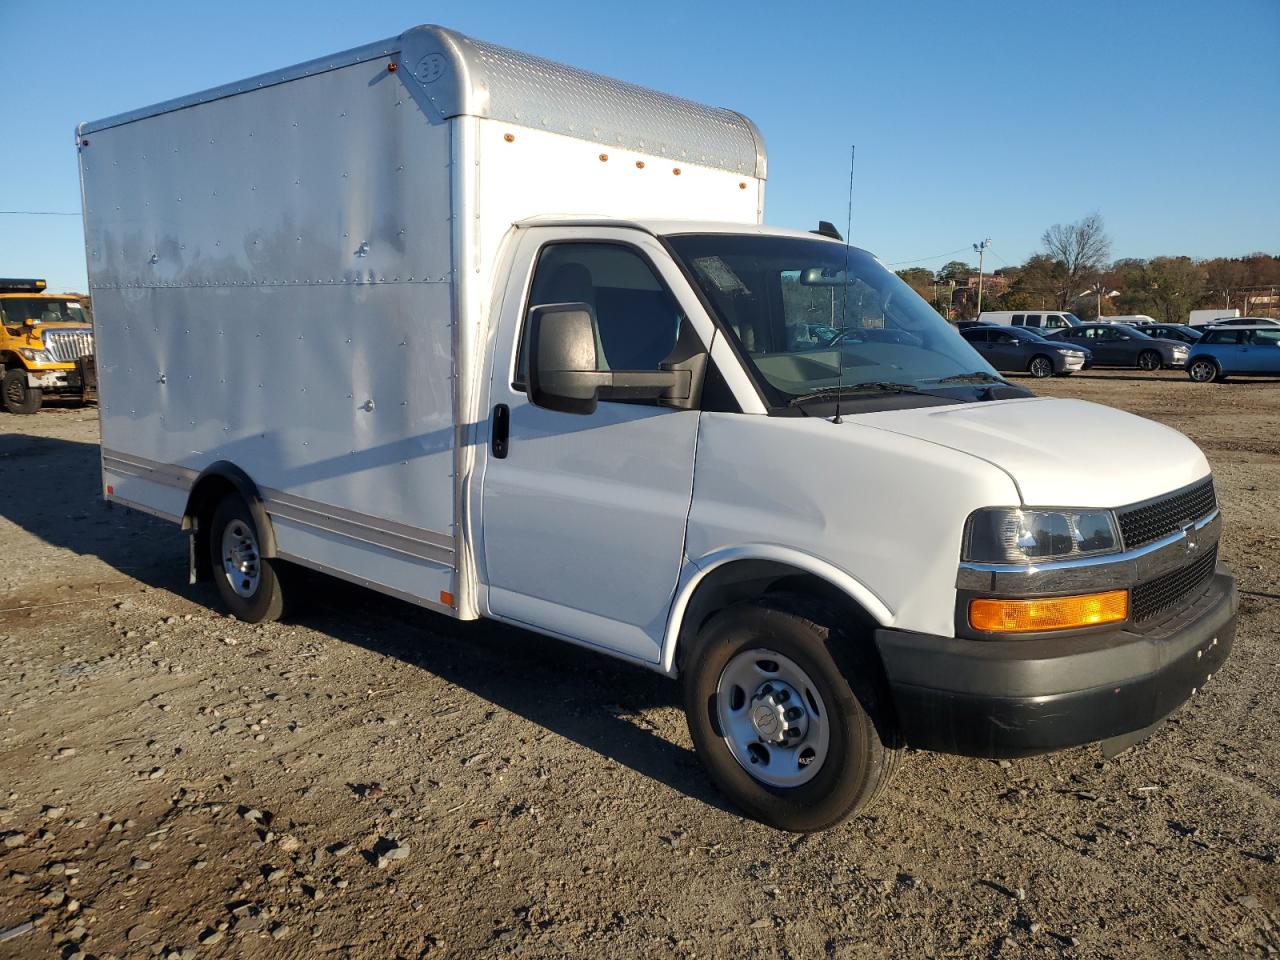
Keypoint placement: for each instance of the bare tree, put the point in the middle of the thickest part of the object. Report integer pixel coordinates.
(1082, 250)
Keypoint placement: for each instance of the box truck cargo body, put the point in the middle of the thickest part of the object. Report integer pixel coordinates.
(507, 339)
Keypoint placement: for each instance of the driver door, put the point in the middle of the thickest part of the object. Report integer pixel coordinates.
(583, 516)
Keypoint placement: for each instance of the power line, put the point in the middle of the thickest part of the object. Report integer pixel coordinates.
(39, 213)
(936, 256)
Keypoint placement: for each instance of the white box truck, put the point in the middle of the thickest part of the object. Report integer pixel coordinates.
(506, 339)
(1203, 318)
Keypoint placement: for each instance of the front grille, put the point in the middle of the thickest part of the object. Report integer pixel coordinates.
(68, 346)
(1149, 522)
(1167, 591)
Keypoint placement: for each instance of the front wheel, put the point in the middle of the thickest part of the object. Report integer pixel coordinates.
(1203, 371)
(19, 397)
(792, 738)
(1041, 367)
(247, 582)
(1149, 360)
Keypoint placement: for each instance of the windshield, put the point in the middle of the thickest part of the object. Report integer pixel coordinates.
(1073, 319)
(19, 309)
(1133, 331)
(808, 327)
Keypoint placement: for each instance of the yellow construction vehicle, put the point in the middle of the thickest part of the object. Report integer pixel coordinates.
(46, 344)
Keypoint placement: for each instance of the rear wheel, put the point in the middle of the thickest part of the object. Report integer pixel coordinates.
(1204, 371)
(1149, 360)
(248, 583)
(789, 717)
(1040, 367)
(18, 396)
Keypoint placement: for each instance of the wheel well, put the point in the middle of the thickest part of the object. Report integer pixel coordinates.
(213, 484)
(744, 580)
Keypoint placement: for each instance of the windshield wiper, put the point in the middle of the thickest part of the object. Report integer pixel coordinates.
(979, 375)
(875, 386)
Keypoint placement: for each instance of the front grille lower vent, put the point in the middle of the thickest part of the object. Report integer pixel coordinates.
(1173, 588)
(1148, 522)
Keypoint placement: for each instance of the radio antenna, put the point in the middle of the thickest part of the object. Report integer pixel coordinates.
(844, 300)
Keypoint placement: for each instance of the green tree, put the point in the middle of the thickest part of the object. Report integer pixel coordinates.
(956, 270)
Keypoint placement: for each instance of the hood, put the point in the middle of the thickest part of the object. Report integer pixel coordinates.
(1059, 453)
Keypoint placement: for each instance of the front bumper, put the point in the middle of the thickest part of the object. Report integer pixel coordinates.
(1011, 698)
(67, 378)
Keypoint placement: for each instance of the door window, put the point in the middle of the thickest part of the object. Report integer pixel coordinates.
(636, 318)
(976, 336)
(1266, 338)
(1033, 319)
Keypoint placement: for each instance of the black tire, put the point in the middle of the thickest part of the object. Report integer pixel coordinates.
(1040, 366)
(256, 602)
(1150, 360)
(862, 752)
(1203, 370)
(18, 396)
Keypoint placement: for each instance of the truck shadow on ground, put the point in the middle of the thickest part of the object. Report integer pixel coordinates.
(588, 698)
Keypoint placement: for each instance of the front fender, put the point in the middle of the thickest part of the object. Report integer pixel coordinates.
(695, 572)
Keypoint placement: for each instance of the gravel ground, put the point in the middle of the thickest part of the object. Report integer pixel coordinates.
(374, 781)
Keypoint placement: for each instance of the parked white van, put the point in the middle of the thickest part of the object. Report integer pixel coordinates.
(1046, 319)
(506, 339)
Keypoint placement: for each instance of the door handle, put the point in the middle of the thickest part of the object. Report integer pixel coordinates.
(500, 434)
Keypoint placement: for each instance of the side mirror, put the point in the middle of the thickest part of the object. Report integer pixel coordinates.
(564, 365)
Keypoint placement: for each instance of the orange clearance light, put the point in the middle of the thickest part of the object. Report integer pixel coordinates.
(1049, 613)
(742, 185)
(604, 157)
(446, 598)
(392, 68)
(509, 137)
(639, 164)
(676, 171)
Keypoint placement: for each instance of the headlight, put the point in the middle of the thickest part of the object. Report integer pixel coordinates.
(1068, 352)
(1011, 535)
(36, 356)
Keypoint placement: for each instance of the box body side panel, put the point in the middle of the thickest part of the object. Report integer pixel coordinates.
(272, 283)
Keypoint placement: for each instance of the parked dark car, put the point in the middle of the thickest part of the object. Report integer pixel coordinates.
(1017, 349)
(1171, 331)
(1119, 345)
(1235, 351)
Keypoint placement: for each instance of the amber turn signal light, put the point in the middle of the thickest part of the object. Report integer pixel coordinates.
(1049, 613)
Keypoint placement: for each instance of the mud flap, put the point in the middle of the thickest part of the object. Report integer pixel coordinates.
(1118, 745)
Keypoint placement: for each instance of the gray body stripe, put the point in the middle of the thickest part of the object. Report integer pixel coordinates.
(399, 537)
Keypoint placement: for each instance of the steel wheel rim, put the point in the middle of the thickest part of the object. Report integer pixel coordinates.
(241, 560)
(761, 697)
(1040, 367)
(15, 392)
(1202, 371)
(1149, 361)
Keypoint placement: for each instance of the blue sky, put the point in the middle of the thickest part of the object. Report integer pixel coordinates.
(991, 120)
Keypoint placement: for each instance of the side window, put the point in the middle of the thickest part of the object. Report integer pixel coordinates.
(1267, 338)
(636, 318)
(1033, 319)
(999, 336)
(976, 336)
(1019, 319)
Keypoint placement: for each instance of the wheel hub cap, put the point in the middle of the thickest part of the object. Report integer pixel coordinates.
(241, 562)
(778, 714)
(772, 717)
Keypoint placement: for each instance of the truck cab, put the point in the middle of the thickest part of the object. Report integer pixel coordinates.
(43, 340)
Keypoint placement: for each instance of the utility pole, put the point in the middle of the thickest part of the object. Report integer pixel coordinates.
(981, 250)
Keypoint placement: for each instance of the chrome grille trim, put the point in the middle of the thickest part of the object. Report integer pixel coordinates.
(68, 346)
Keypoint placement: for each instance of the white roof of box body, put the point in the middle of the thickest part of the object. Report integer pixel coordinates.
(458, 76)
